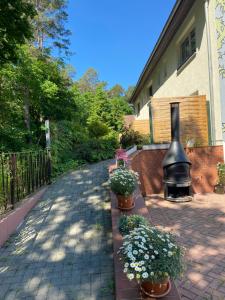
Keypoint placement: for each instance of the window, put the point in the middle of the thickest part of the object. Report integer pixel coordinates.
(150, 91)
(188, 47)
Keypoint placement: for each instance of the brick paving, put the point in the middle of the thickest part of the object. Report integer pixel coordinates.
(200, 225)
(63, 250)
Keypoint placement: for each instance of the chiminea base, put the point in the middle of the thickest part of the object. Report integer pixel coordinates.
(175, 193)
(180, 199)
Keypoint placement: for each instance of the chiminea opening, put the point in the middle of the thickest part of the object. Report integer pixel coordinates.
(176, 165)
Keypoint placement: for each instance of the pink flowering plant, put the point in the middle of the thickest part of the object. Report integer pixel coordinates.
(121, 157)
(150, 254)
(123, 181)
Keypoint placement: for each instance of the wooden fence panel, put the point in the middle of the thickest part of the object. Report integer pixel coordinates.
(141, 125)
(193, 119)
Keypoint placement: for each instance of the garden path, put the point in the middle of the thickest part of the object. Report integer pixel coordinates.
(200, 225)
(63, 250)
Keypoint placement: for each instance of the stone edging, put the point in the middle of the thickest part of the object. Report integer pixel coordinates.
(125, 289)
(12, 220)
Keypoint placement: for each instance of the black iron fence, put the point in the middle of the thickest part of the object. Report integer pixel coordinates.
(21, 174)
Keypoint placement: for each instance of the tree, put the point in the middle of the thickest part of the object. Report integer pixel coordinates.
(89, 82)
(15, 27)
(116, 91)
(129, 92)
(49, 25)
(35, 89)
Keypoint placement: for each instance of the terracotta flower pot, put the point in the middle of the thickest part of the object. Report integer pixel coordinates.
(125, 202)
(219, 189)
(156, 290)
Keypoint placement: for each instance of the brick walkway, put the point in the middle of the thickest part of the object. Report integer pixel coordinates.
(64, 248)
(201, 227)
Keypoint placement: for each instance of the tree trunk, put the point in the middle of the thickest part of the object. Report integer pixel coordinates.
(27, 113)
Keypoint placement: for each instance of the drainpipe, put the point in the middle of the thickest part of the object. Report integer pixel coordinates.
(210, 66)
(150, 123)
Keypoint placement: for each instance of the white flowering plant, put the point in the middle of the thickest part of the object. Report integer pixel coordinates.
(123, 181)
(150, 254)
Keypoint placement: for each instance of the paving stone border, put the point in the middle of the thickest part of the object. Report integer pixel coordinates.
(10, 222)
(125, 289)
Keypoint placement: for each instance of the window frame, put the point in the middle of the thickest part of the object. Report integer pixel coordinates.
(191, 46)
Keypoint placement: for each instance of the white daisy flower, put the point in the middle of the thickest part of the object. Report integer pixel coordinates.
(145, 275)
(130, 276)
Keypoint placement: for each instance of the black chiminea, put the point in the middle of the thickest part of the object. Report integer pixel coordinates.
(176, 165)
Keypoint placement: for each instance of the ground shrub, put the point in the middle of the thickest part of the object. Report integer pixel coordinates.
(131, 137)
(97, 149)
(128, 223)
(97, 129)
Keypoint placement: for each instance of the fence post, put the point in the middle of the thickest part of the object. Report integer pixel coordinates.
(49, 167)
(13, 178)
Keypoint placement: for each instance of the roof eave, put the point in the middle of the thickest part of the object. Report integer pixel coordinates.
(170, 28)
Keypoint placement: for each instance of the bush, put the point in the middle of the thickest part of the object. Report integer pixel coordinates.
(130, 138)
(128, 223)
(221, 173)
(95, 150)
(97, 128)
(123, 182)
(150, 254)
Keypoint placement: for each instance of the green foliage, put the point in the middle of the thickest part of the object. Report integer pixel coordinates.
(15, 28)
(123, 181)
(128, 223)
(85, 118)
(116, 91)
(160, 256)
(49, 25)
(97, 129)
(97, 149)
(130, 138)
(221, 173)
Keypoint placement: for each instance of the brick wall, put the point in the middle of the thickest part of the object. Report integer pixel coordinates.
(148, 163)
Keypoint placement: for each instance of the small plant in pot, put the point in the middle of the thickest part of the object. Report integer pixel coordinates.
(121, 158)
(152, 257)
(129, 223)
(220, 186)
(123, 183)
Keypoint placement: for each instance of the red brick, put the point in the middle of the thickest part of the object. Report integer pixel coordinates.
(148, 163)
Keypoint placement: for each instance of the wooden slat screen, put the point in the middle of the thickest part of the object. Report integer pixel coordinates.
(141, 125)
(193, 119)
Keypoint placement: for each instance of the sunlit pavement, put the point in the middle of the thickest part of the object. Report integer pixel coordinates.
(201, 228)
(63, 250)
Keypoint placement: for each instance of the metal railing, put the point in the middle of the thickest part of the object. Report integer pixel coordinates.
(22, 173)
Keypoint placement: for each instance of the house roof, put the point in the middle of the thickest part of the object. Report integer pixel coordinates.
(176, 18)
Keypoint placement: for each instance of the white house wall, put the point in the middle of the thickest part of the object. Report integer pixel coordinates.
(192, 77)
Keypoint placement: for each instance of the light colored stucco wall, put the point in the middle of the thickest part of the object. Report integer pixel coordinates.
(193, 76)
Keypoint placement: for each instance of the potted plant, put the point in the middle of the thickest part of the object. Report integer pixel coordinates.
(121, 158)
(220, 186)
(152, 257)
(123, 182)
(128, 223)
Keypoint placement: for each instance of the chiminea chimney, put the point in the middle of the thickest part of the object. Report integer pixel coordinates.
(176, 165)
